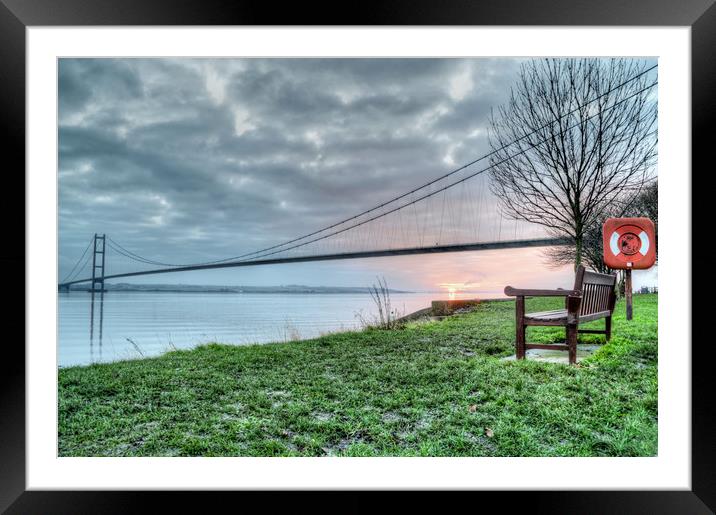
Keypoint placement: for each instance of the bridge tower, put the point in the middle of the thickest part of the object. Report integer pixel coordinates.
(98, 263)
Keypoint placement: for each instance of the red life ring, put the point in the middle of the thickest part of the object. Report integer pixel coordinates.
(629, 243)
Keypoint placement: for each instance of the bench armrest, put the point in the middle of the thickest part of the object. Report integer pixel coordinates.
(515, 292)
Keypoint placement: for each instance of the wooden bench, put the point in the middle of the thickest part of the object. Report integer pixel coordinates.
(593, 297)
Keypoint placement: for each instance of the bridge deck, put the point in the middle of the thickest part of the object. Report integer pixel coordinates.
(541, 242)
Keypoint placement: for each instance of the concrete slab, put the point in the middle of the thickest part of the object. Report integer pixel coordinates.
(557, 356)
(448, 307)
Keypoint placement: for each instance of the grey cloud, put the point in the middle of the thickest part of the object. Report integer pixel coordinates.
(81, 81)
(194, 159)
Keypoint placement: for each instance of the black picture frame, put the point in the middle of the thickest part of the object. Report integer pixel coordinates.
(17, 15)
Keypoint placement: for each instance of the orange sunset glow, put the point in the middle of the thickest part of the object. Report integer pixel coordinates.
(471, 274)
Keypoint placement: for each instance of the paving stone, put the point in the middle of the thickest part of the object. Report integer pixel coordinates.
(557, 356)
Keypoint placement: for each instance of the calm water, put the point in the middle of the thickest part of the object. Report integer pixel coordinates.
(158, 322)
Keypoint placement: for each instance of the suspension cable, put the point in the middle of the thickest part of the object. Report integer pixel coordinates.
(78, 262)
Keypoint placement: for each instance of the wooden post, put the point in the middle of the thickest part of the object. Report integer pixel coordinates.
(521, 335)
(627, 293)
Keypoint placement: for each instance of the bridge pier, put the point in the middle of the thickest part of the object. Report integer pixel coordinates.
(98, 264)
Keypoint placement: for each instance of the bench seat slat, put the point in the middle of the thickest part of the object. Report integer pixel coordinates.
(594, 316)
(548, 315)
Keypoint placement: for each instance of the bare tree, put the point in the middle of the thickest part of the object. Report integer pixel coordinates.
(575, 135)
(647, 204)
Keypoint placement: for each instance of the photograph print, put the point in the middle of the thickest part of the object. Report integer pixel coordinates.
(451, 257)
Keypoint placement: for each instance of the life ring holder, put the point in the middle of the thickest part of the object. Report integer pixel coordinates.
(629, 244)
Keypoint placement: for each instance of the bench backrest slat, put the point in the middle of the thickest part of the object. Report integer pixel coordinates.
(597, 291)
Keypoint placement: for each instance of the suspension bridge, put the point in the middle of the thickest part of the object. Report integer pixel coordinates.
(455, 212)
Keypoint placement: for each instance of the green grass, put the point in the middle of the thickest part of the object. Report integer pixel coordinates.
(430, 389)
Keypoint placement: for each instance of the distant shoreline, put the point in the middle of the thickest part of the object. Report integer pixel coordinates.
(285, 289)
(292, 289)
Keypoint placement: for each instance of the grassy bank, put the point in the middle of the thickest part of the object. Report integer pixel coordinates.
(430, 389)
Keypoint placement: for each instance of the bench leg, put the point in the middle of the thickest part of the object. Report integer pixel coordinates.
(572, 342)
(608, 327)
(520, 341)
(520, 327)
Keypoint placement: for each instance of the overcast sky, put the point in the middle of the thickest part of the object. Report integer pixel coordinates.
(186, 160)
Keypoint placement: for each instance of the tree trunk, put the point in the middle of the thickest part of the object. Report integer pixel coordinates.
(578, 248)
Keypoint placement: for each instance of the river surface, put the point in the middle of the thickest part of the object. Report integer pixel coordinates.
(129, 325)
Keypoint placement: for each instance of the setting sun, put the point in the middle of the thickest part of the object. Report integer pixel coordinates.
(453, 288)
